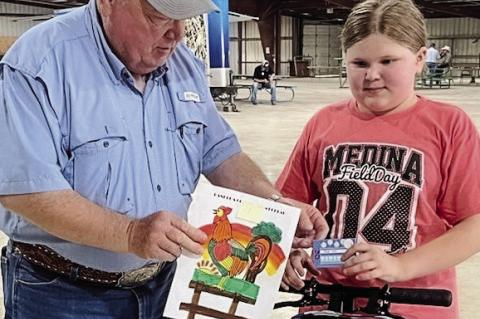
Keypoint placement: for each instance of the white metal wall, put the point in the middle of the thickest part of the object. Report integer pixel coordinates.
(286, 46)
(252, 51)
(233, 53)
(10, 27)
(322, 44)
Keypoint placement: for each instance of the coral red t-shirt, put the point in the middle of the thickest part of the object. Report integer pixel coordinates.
(397, 181)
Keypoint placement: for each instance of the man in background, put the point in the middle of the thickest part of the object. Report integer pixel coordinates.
(263, 78)
(431, 59)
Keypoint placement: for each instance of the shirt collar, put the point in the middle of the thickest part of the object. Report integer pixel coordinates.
(114, 67)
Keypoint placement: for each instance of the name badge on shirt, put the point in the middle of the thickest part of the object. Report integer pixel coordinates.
(191, 96)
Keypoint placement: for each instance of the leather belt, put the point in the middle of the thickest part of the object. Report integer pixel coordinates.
(49, 260)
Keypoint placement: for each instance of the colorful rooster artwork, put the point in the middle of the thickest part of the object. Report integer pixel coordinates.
(229, 256)
(243, 259)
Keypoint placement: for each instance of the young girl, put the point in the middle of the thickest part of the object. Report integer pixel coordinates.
(393, 169)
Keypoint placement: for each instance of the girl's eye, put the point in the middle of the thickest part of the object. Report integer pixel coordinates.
(387, 61)
(360, 64)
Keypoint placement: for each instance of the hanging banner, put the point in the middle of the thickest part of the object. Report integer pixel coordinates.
(218, 45)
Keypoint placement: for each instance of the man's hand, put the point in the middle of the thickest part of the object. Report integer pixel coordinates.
(311, 224)
(164, 236)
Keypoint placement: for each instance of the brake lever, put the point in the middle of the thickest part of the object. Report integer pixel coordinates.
(308, 293)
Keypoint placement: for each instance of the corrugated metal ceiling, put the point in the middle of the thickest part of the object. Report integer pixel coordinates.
(335, 11)
(326, 11)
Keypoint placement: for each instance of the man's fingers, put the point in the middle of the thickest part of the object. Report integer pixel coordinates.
(304, 223)
(311, 222)
(170, 246)
(184, 241)
(165, 256)
(193, 233)
(165, 236)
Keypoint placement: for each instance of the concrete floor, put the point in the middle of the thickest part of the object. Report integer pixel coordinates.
(268, 133)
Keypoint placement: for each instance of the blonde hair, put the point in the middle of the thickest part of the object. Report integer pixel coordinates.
(399, 20)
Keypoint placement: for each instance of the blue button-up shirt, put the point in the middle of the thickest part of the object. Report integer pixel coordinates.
(71, 118)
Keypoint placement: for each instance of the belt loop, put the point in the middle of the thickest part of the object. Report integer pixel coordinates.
(73, 272)
(9, 246)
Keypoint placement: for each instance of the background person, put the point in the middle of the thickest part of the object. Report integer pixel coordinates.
(389, 167)
(431, 60)
(263, 78)
(105, 129)
(443, 64)
(445, 59)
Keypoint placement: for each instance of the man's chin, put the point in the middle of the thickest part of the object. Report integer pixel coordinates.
(144, 68)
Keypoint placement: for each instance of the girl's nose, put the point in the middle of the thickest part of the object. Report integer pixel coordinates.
(373, 73)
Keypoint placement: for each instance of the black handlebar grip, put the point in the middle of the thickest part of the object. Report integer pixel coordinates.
(415, 296)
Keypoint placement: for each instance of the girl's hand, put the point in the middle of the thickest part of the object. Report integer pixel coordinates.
(298, 261)
(368, 262)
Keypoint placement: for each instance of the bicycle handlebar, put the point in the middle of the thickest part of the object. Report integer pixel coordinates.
(417, 296)
(379, 299)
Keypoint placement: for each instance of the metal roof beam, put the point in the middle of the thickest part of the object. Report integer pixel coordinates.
(47, 4)
(448, 10)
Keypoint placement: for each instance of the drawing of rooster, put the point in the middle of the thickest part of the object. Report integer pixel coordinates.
(229, 256)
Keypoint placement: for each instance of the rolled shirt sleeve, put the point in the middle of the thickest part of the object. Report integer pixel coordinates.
(219, 148)
(30, 138)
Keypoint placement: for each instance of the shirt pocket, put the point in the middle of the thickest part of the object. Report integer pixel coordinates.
(188, 142)
(100, 168)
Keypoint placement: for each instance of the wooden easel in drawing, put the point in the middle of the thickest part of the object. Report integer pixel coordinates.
(194, 308)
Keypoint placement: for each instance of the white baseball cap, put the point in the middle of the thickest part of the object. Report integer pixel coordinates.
(183, 9)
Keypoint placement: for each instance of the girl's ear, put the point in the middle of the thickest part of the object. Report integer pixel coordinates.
(421, 55)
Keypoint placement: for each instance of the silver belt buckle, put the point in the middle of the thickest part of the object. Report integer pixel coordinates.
(138, 277)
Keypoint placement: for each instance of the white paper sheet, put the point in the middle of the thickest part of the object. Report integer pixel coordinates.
(242, 221)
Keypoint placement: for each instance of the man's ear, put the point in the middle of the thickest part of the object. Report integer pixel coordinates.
(421, 56)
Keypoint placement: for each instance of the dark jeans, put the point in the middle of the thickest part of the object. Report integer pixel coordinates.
(31, 293)
(431, 67)
(258, 86)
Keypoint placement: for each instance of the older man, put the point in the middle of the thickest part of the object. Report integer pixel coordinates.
(445, 59)
(106, 124)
